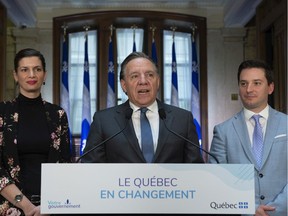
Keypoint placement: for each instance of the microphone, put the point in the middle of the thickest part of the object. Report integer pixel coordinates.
(128, 114)
(162, 115)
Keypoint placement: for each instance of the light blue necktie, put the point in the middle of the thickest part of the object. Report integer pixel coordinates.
(146, 136)
(257, 147)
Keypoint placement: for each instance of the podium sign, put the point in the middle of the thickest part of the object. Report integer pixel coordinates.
(147, 188)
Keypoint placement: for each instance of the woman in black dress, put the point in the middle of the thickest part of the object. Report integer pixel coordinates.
(32, 131)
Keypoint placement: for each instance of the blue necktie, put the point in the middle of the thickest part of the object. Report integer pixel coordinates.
(257, 147)
(146, 136)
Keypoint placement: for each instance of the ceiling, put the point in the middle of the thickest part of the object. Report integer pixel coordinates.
(237, 13)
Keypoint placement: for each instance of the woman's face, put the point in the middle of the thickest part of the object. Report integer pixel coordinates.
(30, 76)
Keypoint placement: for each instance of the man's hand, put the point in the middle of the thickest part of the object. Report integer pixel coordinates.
(264, 210)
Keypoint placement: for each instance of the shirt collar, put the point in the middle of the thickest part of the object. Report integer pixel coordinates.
(153, 107)
(264, 113)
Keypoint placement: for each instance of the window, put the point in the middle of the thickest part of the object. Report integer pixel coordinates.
(76, 71)
(124, 48)
(183, 52)
(122, 38)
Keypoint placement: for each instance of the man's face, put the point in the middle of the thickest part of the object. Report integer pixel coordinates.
(141, 82)
(254, 89)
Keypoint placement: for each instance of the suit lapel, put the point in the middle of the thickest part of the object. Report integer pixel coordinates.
(129, 131)
(242, 132)
(271, 130)
(163, 132)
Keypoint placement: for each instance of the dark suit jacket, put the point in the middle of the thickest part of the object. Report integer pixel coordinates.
(124, 148)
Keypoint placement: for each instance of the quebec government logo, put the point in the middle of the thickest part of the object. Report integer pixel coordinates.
(243, 205)
(226, 205)
(67, 204)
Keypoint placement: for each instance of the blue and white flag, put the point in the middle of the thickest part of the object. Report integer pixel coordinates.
(111, 76)
(195, 91)
(134, 46)
(86, 108)
(174, 92)
(154, 52)
(64, 89)
(64, 97)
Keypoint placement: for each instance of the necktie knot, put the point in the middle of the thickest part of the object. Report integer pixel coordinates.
(143, 110)
(256, 119)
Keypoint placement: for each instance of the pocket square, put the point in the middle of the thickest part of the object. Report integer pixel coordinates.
(280, 135)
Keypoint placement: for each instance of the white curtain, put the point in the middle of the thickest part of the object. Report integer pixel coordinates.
(124, 48)
(183, 51)
(76, 71)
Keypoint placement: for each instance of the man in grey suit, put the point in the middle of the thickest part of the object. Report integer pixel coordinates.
(140, 81)
(233, 140)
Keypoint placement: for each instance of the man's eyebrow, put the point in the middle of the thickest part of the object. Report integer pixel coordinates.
(243, 80)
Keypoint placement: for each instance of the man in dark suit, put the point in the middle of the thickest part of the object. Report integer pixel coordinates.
(140, 81)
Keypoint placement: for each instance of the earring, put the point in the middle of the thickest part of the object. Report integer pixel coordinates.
(44, 83)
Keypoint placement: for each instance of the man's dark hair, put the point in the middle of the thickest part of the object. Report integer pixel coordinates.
(256, 64)
(132, 56)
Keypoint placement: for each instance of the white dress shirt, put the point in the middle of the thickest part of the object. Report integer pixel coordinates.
(153, 117)
(251, 123)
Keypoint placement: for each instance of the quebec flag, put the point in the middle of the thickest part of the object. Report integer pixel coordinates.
(195, 91)
(86, 108)
(154, 52)
(174, 91)
(64, 89)
(134, 46)
(64, 98)
(111, 76)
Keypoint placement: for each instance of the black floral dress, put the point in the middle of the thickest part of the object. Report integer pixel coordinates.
(57, 148)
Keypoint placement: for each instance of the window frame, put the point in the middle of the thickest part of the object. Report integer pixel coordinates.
(125, 19)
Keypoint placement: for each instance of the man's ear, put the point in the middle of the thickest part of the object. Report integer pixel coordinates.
(123, 86)
(271, 88)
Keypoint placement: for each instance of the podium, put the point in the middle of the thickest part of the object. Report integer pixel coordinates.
(147, 188)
